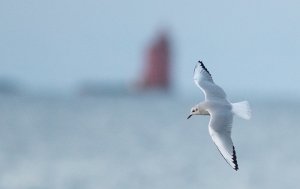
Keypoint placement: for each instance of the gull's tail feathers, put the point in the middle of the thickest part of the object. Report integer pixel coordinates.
(242, 109)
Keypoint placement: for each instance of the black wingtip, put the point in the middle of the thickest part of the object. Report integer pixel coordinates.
(234, 160)
(203, 67)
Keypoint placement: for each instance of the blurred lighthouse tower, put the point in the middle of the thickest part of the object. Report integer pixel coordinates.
(156, 71)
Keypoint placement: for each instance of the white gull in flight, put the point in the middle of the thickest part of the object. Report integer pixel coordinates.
(221, 113)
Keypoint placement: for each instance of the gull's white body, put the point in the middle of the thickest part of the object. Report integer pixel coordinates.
(221, 113)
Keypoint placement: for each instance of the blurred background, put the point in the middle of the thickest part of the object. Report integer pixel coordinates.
(95, 93)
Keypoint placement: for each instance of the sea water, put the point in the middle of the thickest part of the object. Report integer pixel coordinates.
(141, 143)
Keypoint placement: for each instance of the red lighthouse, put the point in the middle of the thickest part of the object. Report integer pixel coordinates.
(156, 73)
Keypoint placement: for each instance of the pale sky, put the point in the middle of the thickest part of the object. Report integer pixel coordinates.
(249, 46)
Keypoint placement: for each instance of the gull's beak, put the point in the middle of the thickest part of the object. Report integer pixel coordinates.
(189, 116)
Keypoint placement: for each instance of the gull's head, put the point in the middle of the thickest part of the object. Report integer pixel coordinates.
(194, 111)
(198, 110)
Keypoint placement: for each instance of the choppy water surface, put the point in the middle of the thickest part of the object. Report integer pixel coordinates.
(141, 142)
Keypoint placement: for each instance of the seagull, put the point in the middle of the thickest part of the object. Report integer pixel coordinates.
(221, 113)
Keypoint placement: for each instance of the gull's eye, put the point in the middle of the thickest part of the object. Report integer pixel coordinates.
(193, 110)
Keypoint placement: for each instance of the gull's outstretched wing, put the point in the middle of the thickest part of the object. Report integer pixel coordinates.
(204, 81)
(220, 125)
